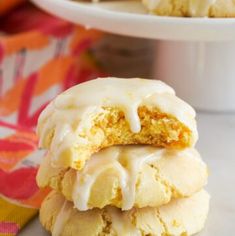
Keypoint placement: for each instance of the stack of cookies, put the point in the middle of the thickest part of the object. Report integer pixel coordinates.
(121, 161)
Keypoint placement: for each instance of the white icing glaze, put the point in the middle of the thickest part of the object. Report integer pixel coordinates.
(126, 159)
(62, 218)
(121, 222)
(200, 7)
(71, 113)
(152, 4)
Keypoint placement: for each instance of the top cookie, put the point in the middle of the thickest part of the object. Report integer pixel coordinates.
(191, 8)
(112, 111)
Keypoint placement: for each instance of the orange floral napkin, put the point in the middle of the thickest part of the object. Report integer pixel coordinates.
(7, 5)
(40, 56)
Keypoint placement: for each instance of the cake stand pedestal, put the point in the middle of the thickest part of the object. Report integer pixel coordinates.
(194, 55)
(203, 73)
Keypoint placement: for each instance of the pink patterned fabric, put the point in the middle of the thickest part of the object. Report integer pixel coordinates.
(40, 56)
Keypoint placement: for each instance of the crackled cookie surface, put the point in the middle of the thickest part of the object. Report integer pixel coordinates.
(192, 8)
(184, 216)
(110, 111)
(128, 176)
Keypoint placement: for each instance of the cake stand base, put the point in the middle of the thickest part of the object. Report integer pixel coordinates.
(202, 73)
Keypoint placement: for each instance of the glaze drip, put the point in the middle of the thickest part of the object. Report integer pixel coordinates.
(62, 218)
(200, 7)
(126, 160)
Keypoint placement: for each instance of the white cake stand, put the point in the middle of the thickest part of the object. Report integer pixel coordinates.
(194, 55)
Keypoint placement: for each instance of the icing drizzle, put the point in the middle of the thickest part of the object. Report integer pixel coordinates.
(71, 113)
(200, 7)
(126, 159)
(62, 218)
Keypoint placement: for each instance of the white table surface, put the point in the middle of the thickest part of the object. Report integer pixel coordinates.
(217, 147)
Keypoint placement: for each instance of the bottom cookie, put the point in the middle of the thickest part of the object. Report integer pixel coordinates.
(184, 216)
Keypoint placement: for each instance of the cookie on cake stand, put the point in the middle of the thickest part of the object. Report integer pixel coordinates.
(200, 52)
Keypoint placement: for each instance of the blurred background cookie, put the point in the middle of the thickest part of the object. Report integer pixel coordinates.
(191, 8)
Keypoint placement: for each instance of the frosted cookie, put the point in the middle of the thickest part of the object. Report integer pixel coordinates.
(127, 177)
(110, 111)
(192, 8)
(184, 216)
